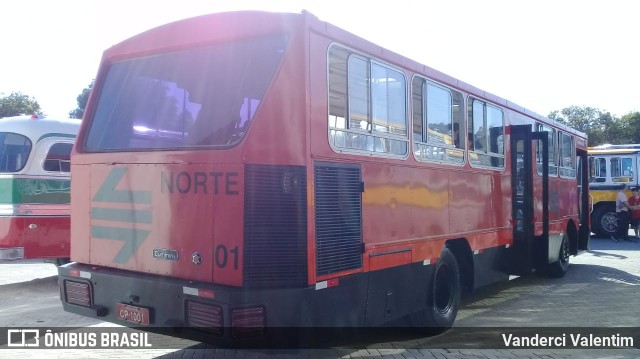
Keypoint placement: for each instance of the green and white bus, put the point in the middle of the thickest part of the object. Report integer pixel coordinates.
(35, 187)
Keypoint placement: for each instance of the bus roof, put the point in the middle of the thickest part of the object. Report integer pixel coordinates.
(36, 128)
(609, 149)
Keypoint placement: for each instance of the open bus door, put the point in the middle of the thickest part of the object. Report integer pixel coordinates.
(584, 233)
(527, 250)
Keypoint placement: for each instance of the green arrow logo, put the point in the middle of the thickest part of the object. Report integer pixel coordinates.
(131, 237)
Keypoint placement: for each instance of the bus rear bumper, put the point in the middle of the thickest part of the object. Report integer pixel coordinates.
(198, 311)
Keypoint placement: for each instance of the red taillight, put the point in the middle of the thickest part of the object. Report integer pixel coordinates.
(207, 317)
(247, 322)
(77, 293)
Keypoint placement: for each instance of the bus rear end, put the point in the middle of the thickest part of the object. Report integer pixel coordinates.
(186, 215)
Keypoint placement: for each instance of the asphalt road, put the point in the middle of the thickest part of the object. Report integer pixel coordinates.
(601, 290)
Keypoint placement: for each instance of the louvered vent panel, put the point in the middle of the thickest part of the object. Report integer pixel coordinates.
(275, 226)
(207, 317)
(338, 209)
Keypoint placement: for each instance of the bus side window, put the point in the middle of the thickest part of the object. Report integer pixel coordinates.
(14, 152)
(599, 169)
(58, 159)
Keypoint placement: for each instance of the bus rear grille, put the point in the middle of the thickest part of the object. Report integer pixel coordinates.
(77, 293)
(247, 322)
(338, 208)
(275, 226)
(205, 317)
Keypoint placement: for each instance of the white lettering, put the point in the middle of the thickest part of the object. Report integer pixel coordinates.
(104, 339)
(534, 341)
(48, 338)
(507, 340)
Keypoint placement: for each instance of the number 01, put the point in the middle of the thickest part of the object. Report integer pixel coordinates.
(222, 256)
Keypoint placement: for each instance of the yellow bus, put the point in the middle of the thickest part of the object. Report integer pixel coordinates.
(610, 166)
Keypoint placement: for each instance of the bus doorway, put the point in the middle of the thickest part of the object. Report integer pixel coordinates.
(527, 250)
(585, 206)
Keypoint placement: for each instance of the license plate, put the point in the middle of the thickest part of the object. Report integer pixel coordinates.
(133, 314)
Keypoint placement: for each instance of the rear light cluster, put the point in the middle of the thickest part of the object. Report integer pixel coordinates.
(206, 317)
(245, 322)
(78, 293)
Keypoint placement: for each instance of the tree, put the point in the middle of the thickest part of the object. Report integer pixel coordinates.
(631, 125)
(581, 118)
(600, 126)
(82, 99)
(18, 103)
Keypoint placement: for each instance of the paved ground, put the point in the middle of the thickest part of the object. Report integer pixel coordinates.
(601, 289)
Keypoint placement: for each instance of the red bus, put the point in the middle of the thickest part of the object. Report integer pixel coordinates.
(35, 187)
(250, 170)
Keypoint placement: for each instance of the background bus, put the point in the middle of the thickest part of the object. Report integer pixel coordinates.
(259, 170)
(609, 167)
(35, 187)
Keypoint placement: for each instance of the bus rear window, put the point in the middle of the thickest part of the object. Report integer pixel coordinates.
(14, 152)
(58, 158)
(199, 97)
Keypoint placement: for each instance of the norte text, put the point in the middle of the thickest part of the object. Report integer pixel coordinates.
(200, 182)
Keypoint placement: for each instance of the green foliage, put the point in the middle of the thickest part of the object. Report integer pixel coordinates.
(18, 103)
(82, 99)
(601, 127)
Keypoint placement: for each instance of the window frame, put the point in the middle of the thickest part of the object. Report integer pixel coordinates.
(29, 153)
(566, 171)
(553, 151)
(59, 161)
(621, 178)
(386, 140)
(479, 158)
(443, 151)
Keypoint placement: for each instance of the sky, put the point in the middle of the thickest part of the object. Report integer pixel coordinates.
(544, 55)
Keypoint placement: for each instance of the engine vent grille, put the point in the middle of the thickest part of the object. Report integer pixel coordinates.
(338, 210)
(275, 226)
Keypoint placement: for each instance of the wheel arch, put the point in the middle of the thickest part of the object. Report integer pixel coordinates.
(464, 256)
(572, 232)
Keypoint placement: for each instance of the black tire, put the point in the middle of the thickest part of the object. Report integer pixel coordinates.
(559, 268)
(443, 297)
(605, 221)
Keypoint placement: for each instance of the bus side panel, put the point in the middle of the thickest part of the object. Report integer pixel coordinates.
(81, 209)
(400, 204)
(47, 237)
(467, 209)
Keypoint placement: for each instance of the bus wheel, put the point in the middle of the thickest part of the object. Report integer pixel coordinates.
(605, 221)
(559, 268)
(443, 297)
